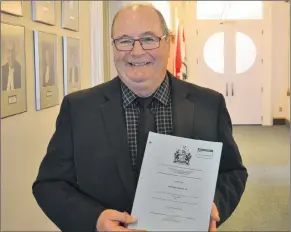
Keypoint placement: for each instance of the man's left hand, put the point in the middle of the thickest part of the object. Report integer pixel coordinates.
(213, 218)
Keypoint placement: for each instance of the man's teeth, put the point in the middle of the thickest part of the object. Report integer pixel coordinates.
(139, 64)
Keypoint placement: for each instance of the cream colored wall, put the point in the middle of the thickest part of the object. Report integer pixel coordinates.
(281, 40)
(24, 137)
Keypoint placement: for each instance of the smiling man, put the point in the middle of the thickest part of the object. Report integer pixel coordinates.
(88, 177)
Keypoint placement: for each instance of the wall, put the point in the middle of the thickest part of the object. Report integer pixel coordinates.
(280, 38)
(25, 136)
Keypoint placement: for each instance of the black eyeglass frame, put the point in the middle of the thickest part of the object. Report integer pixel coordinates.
(135, 40)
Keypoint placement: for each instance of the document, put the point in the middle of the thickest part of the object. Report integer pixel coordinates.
(177, 183)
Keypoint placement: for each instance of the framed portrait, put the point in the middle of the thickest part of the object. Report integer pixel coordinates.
(46, 70)
(44, 12)
(13, 70)
(12, 7)
(72, 67)
(70, 15)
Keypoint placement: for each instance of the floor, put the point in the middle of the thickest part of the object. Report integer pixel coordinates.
(265, 205)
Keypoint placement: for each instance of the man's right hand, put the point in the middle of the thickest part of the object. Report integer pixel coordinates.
(109, 220)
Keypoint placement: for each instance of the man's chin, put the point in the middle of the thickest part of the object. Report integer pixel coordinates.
(138, 77)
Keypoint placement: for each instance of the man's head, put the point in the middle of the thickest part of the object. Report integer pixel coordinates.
(141, 67)
(11, 54)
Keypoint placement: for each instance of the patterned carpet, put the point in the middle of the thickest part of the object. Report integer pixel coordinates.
(265, 205)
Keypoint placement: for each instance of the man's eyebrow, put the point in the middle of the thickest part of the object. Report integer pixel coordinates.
(147, 33)
(121, 36)
(142, 34)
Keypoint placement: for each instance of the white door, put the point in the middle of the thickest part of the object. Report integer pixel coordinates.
(229, 61)
(245, 71)
(210, 63)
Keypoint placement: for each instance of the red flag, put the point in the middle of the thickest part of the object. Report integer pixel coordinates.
(180, 58)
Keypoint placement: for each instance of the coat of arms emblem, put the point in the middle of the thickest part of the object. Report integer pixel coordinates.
(182, 155)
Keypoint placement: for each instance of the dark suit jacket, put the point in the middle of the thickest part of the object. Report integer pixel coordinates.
(16, 76)
(51, 80)
(87, 167)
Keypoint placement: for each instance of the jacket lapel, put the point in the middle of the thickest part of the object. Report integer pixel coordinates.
(114, 119)
(183, 109)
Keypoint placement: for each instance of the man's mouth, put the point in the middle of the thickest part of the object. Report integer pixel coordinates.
(139, 63)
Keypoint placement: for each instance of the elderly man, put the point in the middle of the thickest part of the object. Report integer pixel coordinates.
(88, 178)
(11, 71)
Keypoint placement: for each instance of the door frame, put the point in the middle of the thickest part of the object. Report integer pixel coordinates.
(97, 51)
(190, 12)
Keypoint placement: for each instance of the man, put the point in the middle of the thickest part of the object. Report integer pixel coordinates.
(88, 177)
(74, 71)
(48, 69)
(11, 71)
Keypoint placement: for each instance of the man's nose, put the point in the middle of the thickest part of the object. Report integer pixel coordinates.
(137, 48)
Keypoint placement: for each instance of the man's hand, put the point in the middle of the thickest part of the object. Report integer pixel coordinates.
(109, 220)
(213, 218)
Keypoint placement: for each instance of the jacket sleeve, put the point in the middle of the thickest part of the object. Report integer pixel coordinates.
(56, 187)
(232, 175)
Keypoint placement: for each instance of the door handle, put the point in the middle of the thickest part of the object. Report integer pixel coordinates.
(232, 90)
(226, 90)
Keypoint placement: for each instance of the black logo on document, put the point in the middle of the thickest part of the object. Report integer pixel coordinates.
(182, 155)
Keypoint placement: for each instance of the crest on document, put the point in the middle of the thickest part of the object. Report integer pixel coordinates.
(182, 155)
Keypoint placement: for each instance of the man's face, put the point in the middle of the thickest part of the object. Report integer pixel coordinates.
(140, 66)
(11, 54)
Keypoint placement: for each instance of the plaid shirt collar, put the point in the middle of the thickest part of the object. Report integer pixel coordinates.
(162, 94)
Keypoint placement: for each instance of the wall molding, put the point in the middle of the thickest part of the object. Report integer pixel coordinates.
(97, 52)
(287, 123)
(281, 121)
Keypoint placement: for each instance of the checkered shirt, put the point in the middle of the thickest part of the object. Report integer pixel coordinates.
(161, 107)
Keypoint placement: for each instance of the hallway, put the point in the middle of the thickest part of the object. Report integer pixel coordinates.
(265, 203)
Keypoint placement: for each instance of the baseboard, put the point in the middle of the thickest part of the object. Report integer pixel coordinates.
(281, 121)
(287, 123)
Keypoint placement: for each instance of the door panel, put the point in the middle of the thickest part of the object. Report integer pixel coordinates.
(210, 62)
(245, 102)
(229, 61)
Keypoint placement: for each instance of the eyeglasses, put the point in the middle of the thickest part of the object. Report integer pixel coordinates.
(147, 43)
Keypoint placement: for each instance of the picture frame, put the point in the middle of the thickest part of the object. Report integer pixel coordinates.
(44, 12)
(12, 7)
(13, 70)
(72, 64)
(70, 15)
(46, 69)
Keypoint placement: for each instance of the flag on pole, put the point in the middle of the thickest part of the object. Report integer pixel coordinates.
(180, 58)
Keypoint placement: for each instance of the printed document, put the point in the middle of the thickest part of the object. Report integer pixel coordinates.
(177, 183)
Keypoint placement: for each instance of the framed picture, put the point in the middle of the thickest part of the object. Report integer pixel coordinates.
(70, 15)
(13, 71)
(72, 67)
(44, 12)
(46, 70)
(12, 7)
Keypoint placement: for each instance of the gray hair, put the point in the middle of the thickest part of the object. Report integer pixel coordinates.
(164, 26)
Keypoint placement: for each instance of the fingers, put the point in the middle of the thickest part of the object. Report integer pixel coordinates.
(212, 226)
(121, 217)
(215, 213)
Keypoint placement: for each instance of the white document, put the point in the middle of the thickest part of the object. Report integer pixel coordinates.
(177, 183)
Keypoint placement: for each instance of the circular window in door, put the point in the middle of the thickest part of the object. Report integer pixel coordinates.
(213, 52)
(246, 52)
